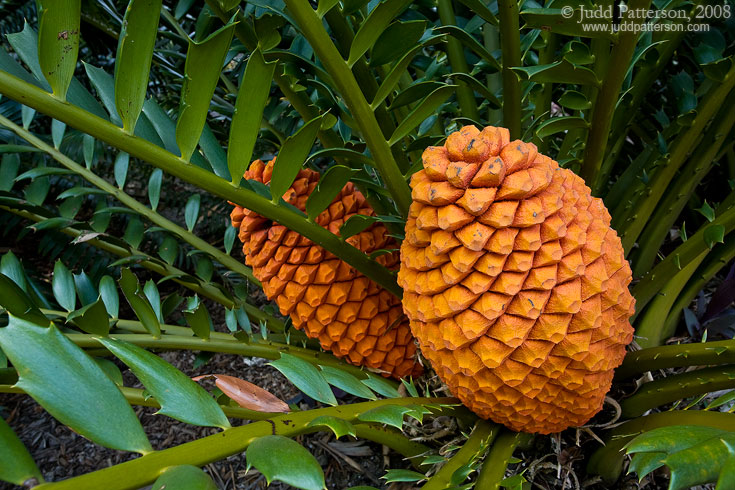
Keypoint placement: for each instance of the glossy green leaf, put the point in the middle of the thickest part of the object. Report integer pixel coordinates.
(154, 187)
(63, 288)
(139, 303)
(340, 427)
(424, 109)
(353, 158)
(478, 87)
(346, 382)
(204, 62)
(324, 6)
(695, 455)
(552, 19)
(578, 53)
(470, 42)
(27, 115)
(280, 458)
(179, 396)
(108, 292)
(184, 477)
(379, 385)
(51, 367)
(572, 99)
(204, 268)
(391, 79)
(330, 184)
(43, 171)
(415, 92)
(387, 414)
(8, 170)
(58, 42)
(17, 302)
(191, 211)
(122, 160)
(86, 291)
(292, 156)
(134, 232)
(197, 317)
(154, 297)
(133, 61)
(11, 267)
(356, 224)
(403, 476)
(644, 463)
(558, 72)
(169, 249)
(25, 44)
(216, 157)
(88, 150)
(111, 370)
(305, 377)
(16, 463)
(560, 125)
(251, 100)
(714, 234)
(229, 239)
(398, 38)
(91, 318)
(373, 26)
(480, 8)
(58, 129)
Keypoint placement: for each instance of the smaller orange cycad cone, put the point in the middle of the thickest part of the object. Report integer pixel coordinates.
(326, 298)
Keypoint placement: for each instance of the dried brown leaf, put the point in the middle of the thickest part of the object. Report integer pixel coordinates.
(246, 394)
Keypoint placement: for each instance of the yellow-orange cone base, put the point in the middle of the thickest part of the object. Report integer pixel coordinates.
(514, 282)
(326, 298)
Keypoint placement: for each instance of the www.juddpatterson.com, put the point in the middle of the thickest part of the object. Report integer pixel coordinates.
(623, 19)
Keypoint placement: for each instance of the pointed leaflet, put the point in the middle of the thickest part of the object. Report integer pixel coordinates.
(92, 318)
(292, 156)
(305, 377)
(340, 427)
(382, 15)
(62, 285)
(280, 458)
(197, 317)
(251, 100)
(246, 394)
(142, 308)
(134, 54)
(347, 382)
(184, 477)
(423, 110)
(16, 464)
(381, 386)
(179, 396)
(58, 42)
(203, 65)
(51, 368)
(327, 189)
(191, 211)
(386, 414)
(154, 187)
(17, 302)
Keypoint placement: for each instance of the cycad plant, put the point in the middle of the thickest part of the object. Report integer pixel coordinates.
(110, 109)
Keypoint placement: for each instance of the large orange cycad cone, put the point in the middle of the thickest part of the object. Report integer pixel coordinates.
(514, 282)
(326, 298)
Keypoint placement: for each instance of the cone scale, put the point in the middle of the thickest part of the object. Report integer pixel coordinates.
(330, 301)
(515, 284)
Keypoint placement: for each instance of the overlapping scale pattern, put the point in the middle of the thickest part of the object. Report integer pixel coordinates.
(326, 298)
(514, 282)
